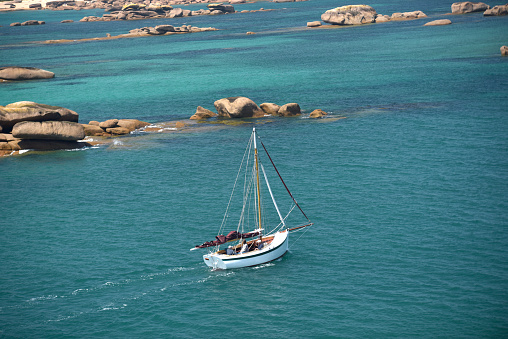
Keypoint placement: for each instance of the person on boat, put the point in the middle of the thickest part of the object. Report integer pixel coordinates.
(260, 245)
(230, 250)
(245, 247)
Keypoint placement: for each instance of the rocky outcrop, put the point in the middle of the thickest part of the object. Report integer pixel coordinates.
(30, 111)
(408, 15)
(504, 50)
(221, 8)
(468, 7)
(497, 10)
(168, 29)
(24, 73)
(113, 127)
(203, 113)
(317, 113)
(48, 130)
(270, 108)
(363, 14)
(28, 23)
(350, 15)
(133, 11)
(289, 110)
(382, 18)
(238, 107)
(438, 22)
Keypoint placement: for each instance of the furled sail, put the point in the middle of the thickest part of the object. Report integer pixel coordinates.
(222, 239)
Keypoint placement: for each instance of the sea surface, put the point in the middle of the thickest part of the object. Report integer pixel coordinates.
(406, 180)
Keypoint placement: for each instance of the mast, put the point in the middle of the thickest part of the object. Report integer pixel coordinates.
(257, 178)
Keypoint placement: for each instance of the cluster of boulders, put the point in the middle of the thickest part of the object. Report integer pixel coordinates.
(141, 11)
(24, 73)
(242, 107)
(363, 14)
(113, 127)
(472, 7)
(28, 23)
(169, 29)
(29, 125)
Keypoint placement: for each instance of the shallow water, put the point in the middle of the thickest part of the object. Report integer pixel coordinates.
(408, 193)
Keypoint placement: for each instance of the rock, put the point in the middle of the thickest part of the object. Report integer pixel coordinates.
(66, 21)
(438, 22)
(32, 22)
(313, 23)
(35, 6)
(31, 111)
(408, 15)
(24, 73)
(111, 123)
(46, 145)
(382, 18)
(318, 113)
(504, 50)
(250, 33)
(118, 130)
(497, 10)
(15, 24)
(177, 12)
(289, 110)
(468, 7)
(93, 122)
(233, 2)
(221, 7)
(49, 130)
(165, 28)
(202, 113)
(238, 107)
(6, 137)
(179, 124)
(350, 15)
(270, 108)
(132, 124)
(92, 130)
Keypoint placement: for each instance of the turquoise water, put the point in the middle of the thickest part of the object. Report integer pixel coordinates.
(408, 193)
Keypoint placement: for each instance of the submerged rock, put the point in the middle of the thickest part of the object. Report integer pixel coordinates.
(438, 22)
(238, 107)
(24, 73)
(468, 7)
(317, 113)
(350, 15)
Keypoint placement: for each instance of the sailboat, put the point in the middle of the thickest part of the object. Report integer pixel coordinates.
(262, 244)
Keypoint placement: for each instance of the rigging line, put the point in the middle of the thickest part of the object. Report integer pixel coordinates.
(287, 189)
(279, 225)
(234, 186)
(294, 242)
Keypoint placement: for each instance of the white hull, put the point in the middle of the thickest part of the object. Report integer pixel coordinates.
(276, 249)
